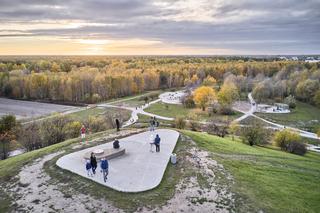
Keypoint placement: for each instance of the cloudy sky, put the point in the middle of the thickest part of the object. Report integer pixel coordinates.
(143, 27)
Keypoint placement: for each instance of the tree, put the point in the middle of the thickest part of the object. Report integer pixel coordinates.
(316, 98)
(203, 96)
(30, 137)
(7, 134)
(209, 81)
(234, 128)
(291, 101)
(228, 94)
(283, 138)
(254, 134)
(289, 141)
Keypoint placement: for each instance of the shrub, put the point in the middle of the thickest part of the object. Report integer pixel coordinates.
(283, 138)
(255, 134)
(52, 131)
(193, 125)
(96, 124)
(72, 129)
(30, 137)
(297, 148)
(220, 129)
(291, 101)
(188, 101)
(289, 141)
(180, 123)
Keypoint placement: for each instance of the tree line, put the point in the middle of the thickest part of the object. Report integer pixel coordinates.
(90, 80)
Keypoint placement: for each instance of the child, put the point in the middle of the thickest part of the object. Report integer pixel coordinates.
(104, 168)
(88, 167)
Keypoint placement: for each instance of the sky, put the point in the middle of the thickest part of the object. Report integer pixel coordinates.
(159, 27)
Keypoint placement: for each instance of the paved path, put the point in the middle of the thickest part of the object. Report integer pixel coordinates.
(136, 171)
(275, 125)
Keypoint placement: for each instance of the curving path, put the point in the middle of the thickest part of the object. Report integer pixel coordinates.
(276, 125)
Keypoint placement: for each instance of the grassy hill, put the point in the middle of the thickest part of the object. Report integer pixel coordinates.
(266, 178)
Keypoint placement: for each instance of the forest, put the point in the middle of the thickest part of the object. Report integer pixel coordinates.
(92, 79)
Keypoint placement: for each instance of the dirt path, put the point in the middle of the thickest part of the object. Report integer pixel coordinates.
(201, 192)
(33, 193)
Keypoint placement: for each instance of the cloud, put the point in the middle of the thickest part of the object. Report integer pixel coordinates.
(264, 26)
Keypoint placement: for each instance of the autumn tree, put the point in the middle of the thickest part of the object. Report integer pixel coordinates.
(234, 128)
(209, 81)
(203, 96)
(228, 94)
(7, 134)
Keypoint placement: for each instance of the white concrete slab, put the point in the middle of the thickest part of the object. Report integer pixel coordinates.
(136, 171)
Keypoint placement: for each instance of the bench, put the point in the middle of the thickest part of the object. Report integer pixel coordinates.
(105, 153)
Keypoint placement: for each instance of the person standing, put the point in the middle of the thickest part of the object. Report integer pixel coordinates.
(157, 143)
(93, 162)
(88, 168)
(118, 124)
(104, 168)
(83, 134)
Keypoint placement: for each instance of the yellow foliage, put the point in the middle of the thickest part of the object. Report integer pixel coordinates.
(203, 96)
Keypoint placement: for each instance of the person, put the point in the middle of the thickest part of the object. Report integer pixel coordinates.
(93, 162)
(157, 143)
(118, 124)
(83, 134)
(88, 168)
(104, 168)
(154, 122)
(151, 124)
(116, 144)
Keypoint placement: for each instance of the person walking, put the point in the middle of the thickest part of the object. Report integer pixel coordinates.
(118, 124)
(151, 124)
(93, 162)
(88, 168)
(104, 168)
(83, 134)
(157, 143)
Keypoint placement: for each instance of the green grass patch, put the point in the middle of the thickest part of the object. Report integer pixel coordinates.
(266, 178)
(178, 110)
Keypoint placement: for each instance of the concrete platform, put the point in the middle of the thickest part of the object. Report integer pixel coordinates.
(137, 170)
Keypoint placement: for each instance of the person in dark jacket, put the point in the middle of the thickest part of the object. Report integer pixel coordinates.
(104, 168)
(93, 162)
(116, 144)
(118, 124)
(88, 168)
(157, 143)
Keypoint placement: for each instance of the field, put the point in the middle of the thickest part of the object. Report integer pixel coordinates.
(304, 116)
(266, 178)
(174, 110)
(29, 109)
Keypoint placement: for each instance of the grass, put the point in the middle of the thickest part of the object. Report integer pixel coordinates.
(175, 110)
(304, 116)
(85, 114)
(265, 178)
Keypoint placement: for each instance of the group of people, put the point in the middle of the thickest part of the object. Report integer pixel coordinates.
(153, 123)
(91, 166)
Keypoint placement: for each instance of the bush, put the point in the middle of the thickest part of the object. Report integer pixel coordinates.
(283, 138)
(193, 125)
(30, 137)
(188, 102)
(255, 134)
(297, 148)
(52, 131)
(96, 124)
(291, 101)
(289, 141)
(72, 129)
(180, 123)
(220, 129)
